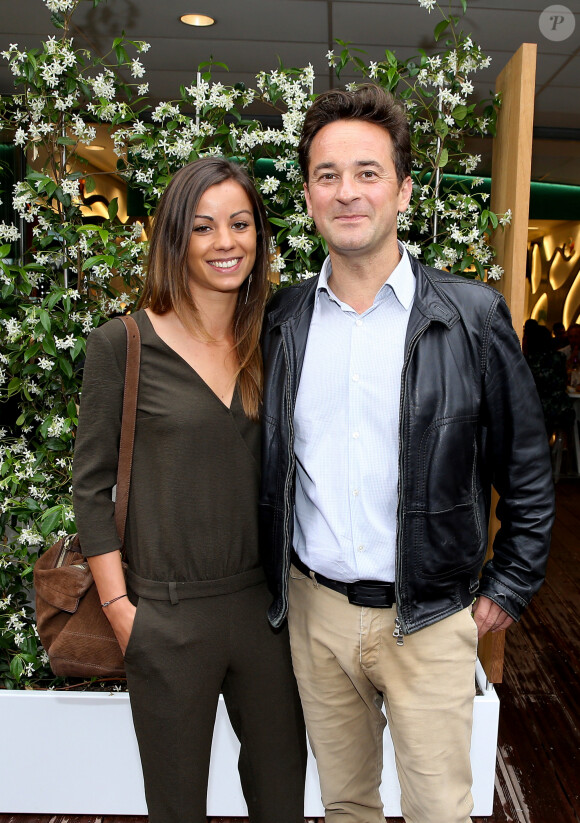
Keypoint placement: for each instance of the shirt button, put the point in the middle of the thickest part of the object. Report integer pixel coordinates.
(355, 492)
(360, 549)
(355, 435)
(355, 377)
(358, 321)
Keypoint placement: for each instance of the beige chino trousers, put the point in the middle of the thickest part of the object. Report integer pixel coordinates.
(348, 664)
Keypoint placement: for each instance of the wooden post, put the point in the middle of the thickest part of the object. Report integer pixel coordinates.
(510, 189)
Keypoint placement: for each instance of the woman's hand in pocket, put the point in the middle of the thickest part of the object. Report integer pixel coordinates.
(121, 616)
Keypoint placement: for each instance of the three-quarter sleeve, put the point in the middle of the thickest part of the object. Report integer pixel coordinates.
(97, 441)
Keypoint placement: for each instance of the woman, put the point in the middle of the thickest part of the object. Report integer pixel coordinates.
(194, 621)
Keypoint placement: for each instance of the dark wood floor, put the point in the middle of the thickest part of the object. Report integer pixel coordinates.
(538, 759)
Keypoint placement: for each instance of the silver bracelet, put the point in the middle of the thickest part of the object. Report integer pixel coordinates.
(108, 602)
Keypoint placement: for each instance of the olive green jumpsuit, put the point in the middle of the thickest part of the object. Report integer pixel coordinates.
(194, 573)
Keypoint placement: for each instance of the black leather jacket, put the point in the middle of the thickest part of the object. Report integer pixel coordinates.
(469, 417)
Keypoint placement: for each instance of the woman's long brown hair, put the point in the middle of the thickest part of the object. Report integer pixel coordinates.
(167, 281)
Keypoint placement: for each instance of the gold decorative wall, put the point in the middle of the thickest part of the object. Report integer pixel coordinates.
(553, 274)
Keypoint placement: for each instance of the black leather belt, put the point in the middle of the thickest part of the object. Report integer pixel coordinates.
(360, 593)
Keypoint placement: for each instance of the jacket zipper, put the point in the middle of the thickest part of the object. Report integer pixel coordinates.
(289, 476)
(400, 625)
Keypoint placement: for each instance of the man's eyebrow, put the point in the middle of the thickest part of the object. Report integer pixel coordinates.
(331, 165)
(374, 163)
(321, 166)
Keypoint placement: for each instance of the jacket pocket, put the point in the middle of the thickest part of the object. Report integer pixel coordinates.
(447, 542)
(448, 535)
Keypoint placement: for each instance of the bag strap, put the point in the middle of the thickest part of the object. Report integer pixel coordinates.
(130, 392)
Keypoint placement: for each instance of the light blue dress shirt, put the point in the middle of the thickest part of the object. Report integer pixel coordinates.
(346, 425)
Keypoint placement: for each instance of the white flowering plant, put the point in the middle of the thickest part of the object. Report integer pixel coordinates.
(63, 271)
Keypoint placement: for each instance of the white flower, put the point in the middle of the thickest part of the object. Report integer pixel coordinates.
(103, 86)
(143, 46)
(70, 187)
(277, 263)
(428, 4)
(8, 232)
(65, 343)
(60, 5)
(494, 272)
(57, 426)
(143, 88)
(414, 249)
(506, 219)
(373, 69)
(300, 241)
(269, 185)
(331, 58)
(45, 363)
(137, 68)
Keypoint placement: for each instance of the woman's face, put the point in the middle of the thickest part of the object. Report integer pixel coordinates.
(222, 248)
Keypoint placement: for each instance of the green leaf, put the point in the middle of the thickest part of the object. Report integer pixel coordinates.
(443, 158)
(4, 250)
(79, 347)
(65, 141)
(441, 128)
(459, 113)
(32, 351)
(89, 184)
(44, 317)
(440, 28)
(92, 261)
(55, 445)
(14, 386)
(276, 221)
(49, 346)
(50, 520)
(113, 208)
(57, 20)
(65, 366)
(16, 667)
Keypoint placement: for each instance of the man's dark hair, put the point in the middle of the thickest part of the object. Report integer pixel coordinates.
(369, 103)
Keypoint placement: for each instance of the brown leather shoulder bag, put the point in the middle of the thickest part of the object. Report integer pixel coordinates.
(71, 623)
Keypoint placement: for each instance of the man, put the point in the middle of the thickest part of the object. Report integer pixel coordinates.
(395, 395)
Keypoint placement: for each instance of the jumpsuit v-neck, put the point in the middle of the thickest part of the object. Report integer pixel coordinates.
(194, 571)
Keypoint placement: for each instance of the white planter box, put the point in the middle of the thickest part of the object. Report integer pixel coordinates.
(81, 749)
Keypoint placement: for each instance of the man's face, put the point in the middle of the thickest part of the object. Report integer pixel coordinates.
(352, 191)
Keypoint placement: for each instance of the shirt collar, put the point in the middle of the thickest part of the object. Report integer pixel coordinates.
(401, 280)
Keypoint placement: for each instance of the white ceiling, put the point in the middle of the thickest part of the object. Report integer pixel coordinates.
(250, 35)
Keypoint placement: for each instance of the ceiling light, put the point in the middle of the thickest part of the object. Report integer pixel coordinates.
(94, 147)
(197, 20)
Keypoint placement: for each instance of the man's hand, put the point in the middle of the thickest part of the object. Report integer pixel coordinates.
(490, 617)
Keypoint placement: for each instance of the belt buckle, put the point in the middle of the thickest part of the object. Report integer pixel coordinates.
(365, 593)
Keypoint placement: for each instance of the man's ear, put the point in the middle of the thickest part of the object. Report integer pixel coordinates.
(405, 193)
(308, 202)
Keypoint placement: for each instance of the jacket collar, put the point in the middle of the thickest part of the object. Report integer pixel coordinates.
(430, 299)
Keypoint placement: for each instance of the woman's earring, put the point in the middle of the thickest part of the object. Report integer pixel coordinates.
(249, 282)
